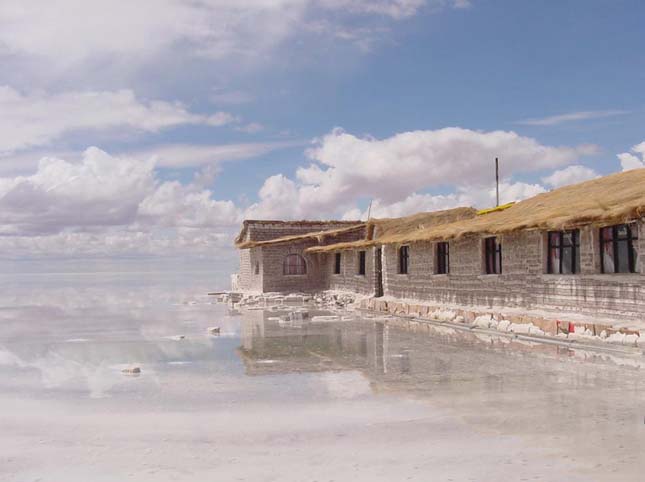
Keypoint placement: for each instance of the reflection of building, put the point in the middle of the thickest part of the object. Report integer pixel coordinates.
(576, 250)
(397, 355)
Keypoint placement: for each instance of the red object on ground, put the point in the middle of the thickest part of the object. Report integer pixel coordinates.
(572, 328)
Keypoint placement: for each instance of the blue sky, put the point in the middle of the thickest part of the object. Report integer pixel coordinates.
(152, 128)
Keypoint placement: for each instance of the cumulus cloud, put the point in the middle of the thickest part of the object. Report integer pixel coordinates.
(36, 119)
(569, 175)
(393, 167)
(105, 204)
(395, 171)
(478, 196)
(636, 160)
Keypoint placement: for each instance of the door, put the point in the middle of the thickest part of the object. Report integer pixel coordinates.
(378, 268)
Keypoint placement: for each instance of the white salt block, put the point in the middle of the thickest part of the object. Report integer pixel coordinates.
(131, 371)
(214, 330)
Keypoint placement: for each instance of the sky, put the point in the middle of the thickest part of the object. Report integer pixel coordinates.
(151, 129)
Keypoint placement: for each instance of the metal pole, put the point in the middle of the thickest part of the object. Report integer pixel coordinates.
(497, 180)
(369, 211)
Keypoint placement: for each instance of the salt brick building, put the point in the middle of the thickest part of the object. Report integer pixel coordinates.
(574, 250)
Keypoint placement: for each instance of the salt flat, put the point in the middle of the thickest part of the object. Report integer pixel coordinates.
(275, 400)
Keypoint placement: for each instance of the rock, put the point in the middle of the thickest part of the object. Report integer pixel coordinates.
(214, 330)
(131, 371)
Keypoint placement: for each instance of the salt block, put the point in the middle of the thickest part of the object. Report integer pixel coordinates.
(503, 325)
(131, 371)
(214, 330)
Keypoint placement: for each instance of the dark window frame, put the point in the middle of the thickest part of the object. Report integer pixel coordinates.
(560, 248)
(362, 256)
(443, 258)
(297, 268)
(614, 241)
(492, 255)
(404, 260)
(337, 263)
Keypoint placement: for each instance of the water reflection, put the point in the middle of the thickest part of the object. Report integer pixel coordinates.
(421, 358)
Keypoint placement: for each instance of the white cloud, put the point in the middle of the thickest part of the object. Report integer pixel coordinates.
(349, 168)
(190, 155)
(173, 204)
(109, 205)
(572, 117)
(35, 119)
(569, 175)
(69, 32)
(99, 191)
(251, 128)
(392, 168)
(632, 161)
(477, 196)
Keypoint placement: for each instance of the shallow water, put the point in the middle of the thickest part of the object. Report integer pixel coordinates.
(272, 400)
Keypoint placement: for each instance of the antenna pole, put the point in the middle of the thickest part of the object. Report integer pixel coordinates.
(369, 210)
(497, 180)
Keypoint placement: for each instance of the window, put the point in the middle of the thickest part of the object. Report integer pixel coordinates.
(617, 249)
(361, 263)
(257, 267)
(493, 254)
(294, 264)
(563, 252)
(443, 259)
(337, 263)
(404, 259)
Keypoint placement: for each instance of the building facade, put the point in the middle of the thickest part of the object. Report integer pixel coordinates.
(560, 252)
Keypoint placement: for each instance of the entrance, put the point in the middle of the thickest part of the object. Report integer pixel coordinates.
(378, 265)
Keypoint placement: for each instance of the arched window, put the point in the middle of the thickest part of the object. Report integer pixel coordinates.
(294, 264)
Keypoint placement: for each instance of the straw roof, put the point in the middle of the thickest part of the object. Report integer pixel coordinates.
(319, 236)
(607, 200)
(394, 230)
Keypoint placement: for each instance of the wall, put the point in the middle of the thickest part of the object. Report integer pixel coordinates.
(349, 279)
(265, 230)
(248, 280)
(523, 283)
(275, 280)
(270, 258)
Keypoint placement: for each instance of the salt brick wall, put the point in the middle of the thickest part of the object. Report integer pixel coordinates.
(272, 265)
(270, 277)
(264, 232)
(349, 279)
(249, 281)
(523, 282)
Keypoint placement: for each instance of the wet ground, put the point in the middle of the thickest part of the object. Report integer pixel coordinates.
(276, 397)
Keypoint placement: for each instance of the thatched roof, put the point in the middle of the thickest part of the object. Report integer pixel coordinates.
(607, 200)
(319, 236)
(394, 230)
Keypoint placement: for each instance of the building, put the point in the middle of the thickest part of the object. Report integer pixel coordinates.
(577, 250)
